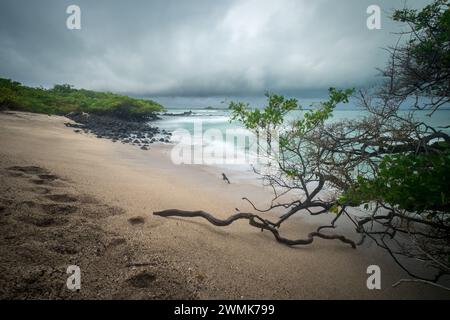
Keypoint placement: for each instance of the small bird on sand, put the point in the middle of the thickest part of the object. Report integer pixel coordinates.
(225, 178)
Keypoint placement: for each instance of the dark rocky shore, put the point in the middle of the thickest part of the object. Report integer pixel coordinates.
(138, 133)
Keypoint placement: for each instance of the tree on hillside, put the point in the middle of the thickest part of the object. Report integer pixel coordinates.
(386, 173)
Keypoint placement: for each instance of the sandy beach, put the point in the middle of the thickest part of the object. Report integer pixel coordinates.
(71, 198)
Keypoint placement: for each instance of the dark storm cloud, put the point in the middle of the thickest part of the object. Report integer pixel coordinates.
(196, 47)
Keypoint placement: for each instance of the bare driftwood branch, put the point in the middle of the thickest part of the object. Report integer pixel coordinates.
(318, 166)
(255, 221)
(420, 281)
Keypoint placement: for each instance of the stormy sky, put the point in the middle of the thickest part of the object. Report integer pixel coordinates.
(196, 48)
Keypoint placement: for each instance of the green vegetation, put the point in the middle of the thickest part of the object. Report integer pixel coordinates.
(269, 117)
(422, 65)
(432, 27)
(416, 180)
(388, 172)
(62, 99)
(413, 182)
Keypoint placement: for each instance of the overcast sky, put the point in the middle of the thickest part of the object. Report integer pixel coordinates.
(195, 47)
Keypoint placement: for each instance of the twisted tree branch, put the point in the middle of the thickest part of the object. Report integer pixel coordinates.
(255, 221)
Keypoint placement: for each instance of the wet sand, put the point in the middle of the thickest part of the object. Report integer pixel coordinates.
(126, 252)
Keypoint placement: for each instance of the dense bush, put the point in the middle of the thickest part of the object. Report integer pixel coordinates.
(62, 99)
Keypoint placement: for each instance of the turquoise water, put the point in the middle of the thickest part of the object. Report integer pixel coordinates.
(206, 120)
(220, 118)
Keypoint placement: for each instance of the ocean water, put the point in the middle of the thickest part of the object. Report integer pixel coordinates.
(212, 129)
(218, 116)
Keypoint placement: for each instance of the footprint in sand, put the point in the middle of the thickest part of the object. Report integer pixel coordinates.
(142, 280)
(16, 174)
(66, 249)
(117, 242)
(38, 181)
(62, 207)
(61, 198)
(55, 208)
(42, 221)
(136, 220)
(39, 190)
(28, 169)
(5, 204)
(41, 175)
(28, 204)
(48, 177)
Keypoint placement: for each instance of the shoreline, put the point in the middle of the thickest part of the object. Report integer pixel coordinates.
(235, 262)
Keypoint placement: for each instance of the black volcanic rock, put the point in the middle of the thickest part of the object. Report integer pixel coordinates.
(129, 132)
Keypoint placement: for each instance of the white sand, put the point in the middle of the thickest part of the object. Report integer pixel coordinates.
(232, 262)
